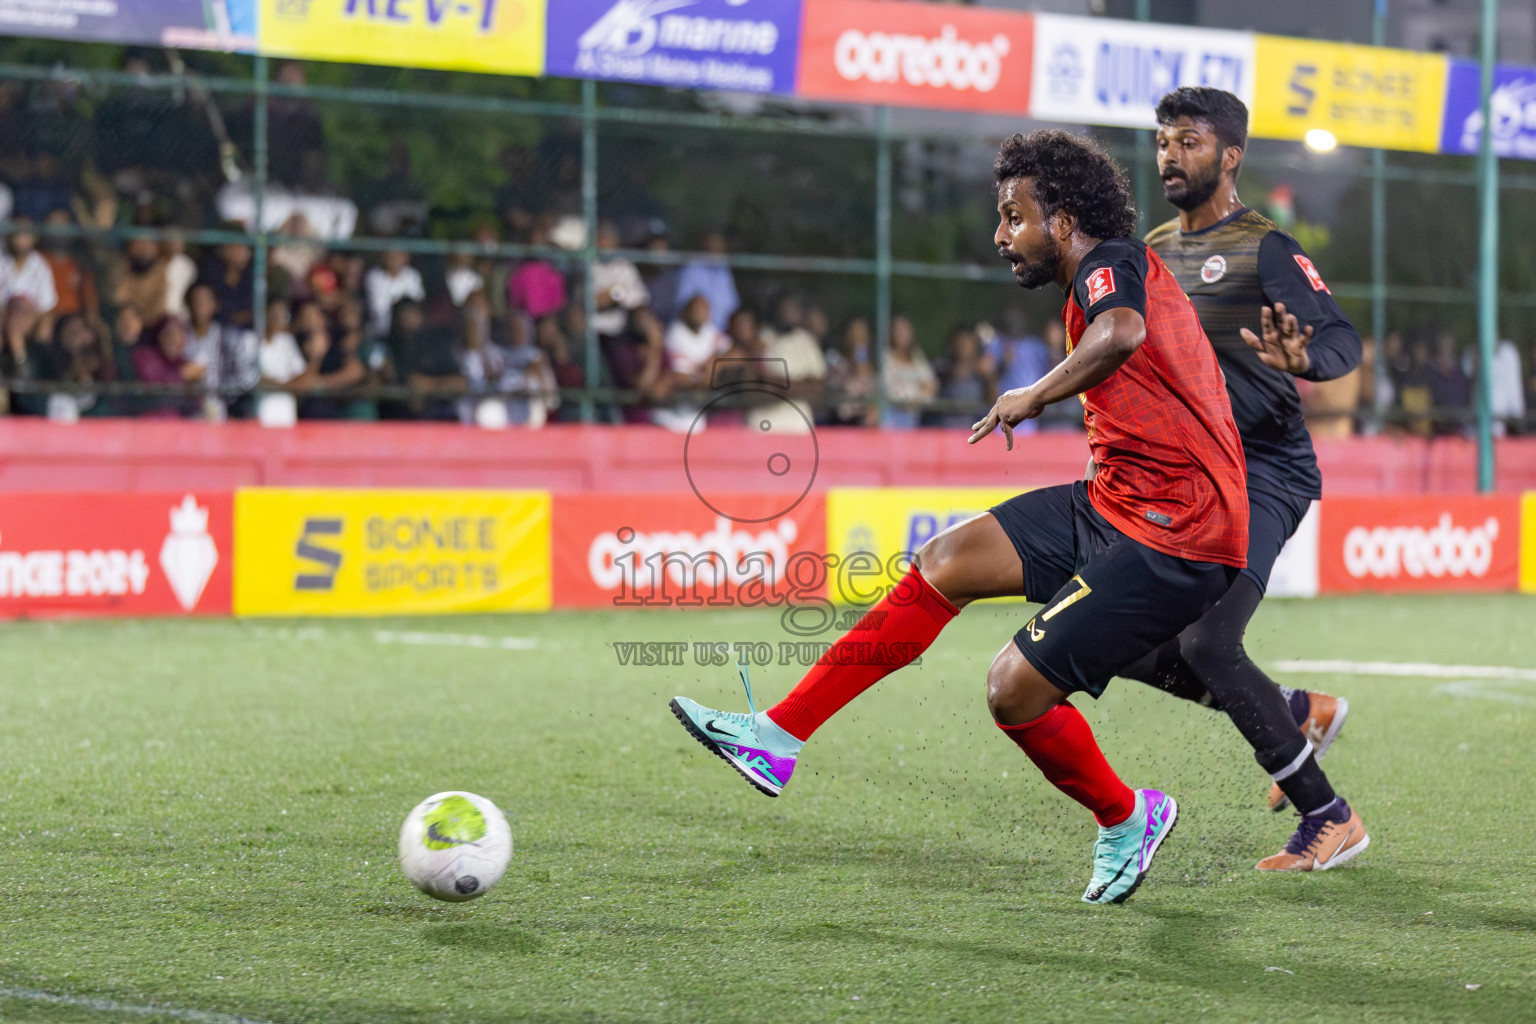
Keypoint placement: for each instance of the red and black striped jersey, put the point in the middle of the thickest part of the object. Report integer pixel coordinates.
(1170, 462)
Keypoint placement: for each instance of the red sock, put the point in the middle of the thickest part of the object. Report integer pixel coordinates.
(902, 625)
(1062, 746)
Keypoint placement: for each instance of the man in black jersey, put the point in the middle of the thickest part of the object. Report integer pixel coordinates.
(1270, 317)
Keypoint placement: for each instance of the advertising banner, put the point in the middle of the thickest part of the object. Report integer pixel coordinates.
(115, 554)
(669, 550)
(1528, 543)
(742, 45)
(206, 24)
(304, 551)
(873, 531)
(1513, 108)
(1364, 95)
(1100, 71)
(916, 55)
(1294, 573)
(499, 36)
(1419, 543)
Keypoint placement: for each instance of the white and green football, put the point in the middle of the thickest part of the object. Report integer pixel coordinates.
(455, 846)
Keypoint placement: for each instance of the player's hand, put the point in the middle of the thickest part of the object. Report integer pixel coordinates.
(1010, 409)
(1284, 342)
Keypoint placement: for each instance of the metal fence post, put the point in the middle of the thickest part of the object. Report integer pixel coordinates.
(258, 195)
(589, 260)
(1488, 261)
(882, 252)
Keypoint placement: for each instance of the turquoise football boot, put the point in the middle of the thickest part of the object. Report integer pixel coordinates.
(751, 743)
(1122, 856)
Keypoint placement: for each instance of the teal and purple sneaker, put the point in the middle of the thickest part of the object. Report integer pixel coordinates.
(1122, 856)
(753, 744)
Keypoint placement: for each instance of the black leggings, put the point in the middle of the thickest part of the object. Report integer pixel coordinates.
(1208, 664)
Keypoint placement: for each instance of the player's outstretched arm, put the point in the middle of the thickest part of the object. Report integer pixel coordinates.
(1315, 340)
(1104, 347)
(1282, 340)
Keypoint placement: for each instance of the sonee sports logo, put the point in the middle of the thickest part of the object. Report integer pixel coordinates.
(328, 558)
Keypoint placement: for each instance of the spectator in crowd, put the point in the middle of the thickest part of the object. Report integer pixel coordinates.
(711, 277)
(296, 153)
(395, 204)
(1367, 420)
(620, 291)
(205, 339)
(661, 280)
(1017, 357)
(1329, 406)
(462, 279)
(692, 345)
(127, 331)
(1414, 388)
(425, 360)
(387, 284)
(536, 286)
(280, 364)
(792, 350)
(1508, 389)
(73, 283)
(139, 280)
(26, 278)
(637, 362)
(78, 357)
(909, 379)
(331, 365)
(506, 384)
(180, 274)
(292, 261)
(230, 275)
(160, 357)
(1062, 417)
(965, 378)
(1450, 387)
(851, 383)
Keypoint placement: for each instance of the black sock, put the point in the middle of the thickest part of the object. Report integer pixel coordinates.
(1294, 769)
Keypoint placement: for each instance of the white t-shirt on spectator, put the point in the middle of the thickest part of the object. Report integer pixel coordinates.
(384, 290)
(204, 350)
(689, 351)
(280, 359)
(180, 273)
(802, 359)
(462, 283)
(32, 277)
(628, 290)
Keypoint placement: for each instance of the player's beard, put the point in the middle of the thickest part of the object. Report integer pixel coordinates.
(1040, 272)
(1191, 188)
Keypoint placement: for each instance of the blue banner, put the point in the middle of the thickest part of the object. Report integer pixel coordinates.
(1513, 106)
(740, 45)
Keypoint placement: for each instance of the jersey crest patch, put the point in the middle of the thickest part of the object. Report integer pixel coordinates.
(1214, 269)
(1313, 276)
(1101, 283)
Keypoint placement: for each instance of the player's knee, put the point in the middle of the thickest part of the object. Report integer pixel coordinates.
(1211, 653)
(1016, 693)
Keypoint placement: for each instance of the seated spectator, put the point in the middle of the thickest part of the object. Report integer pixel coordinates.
(851, 381)
(425, 361)
(391, 281)
(965, 378)
(26, 276)
(1450, 387)
(280, 364)
(1017, 357)
(73, 281)
(139, 280)
(78, 357)
(507, 384)
(551, 339)
(461, 278)
(620, 291)
(331, 365)
(160, 357)
(232, 279)
(908, 378)
(803, 363)
(293, 260)
(661, 280)
(1414, 391)
(1508, 390)
(711, 277)
(537, 287)
(637, 362)
(180, 274)
(691, 345)
(127, 331)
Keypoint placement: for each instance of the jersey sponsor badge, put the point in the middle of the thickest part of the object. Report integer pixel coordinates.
(1313, 276)
(1101, 283)
(1214, 269)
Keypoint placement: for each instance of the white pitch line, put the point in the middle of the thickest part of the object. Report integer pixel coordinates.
(1417, 669)
(476, 640)
(32, 995)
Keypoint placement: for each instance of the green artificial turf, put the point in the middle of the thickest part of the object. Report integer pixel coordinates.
(202, 815)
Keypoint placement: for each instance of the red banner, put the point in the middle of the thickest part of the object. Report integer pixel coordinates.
(916, 55)
(115, 554)
(1419, 542)
(657, 550)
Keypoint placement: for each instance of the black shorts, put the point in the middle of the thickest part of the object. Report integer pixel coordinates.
(1273, 516)
(1109, 599)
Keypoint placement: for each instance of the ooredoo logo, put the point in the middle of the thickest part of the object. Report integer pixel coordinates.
(1444, 549)
(943, 62)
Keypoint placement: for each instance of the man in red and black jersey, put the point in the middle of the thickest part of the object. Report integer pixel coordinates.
(1270, 318)
(1122, 562)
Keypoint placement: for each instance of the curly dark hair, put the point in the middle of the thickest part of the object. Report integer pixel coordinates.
(1068, 172)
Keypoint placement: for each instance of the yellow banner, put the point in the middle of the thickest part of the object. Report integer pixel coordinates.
(1528, 543)
(501, 36)
(1364, 95)
(354, 552)
(887, 523)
